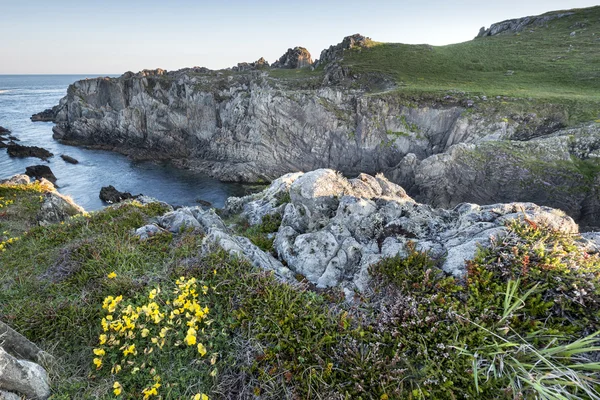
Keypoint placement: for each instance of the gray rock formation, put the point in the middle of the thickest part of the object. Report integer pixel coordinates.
(40, 171)
(333, 228)
(56, 207)
(17, 180)
(16, 150)
(335, 52)
(517, 25)
(23, 377)
(20, 375)
(298, 57)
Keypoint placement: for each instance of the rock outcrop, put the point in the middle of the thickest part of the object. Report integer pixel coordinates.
(16, 150)
(253, 127)
(298, 57)
(110, 195)
(517, 25)
(20, 373)
(3, 131)
(333, 229)
(44, 116)
(39, 172)
(57, 208)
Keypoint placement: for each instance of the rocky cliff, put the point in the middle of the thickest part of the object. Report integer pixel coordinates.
(254, 123)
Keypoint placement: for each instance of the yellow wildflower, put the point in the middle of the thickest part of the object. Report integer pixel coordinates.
(98, 363)
(99, 352)
(201, 349)
(116, 369)
(112, 275)
(117, 388)
(145, 332)
(190, 338)
(102, 338)
(130, 350)
(199, 396)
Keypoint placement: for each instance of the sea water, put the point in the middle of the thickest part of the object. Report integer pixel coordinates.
(24, 95)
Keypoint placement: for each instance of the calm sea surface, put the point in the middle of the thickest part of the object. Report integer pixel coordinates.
(24, 95)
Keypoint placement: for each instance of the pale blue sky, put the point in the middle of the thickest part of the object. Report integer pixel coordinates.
(109, 36)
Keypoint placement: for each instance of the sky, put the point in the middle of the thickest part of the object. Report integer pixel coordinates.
(111, 37)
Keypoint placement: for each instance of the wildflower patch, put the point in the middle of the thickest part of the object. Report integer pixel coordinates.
(144, 337)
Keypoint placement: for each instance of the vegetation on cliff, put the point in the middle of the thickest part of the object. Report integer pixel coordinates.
(186, 325)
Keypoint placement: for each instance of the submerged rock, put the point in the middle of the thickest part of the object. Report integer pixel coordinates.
(16, 150)
(40, 171)
(69, 159)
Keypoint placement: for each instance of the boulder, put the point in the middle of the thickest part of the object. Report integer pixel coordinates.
(17, 180)
(19, 346)
(298, 57)
(16, 150)
(40, 171)
(111, 195)
(147, 231)
(3, 131)
(23, 377)
(69, 159)
(57, 208)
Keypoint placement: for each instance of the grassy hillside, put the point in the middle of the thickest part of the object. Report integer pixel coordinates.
(127, 318)
(546, 61)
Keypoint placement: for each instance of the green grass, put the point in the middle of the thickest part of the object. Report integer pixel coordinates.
(543, 62)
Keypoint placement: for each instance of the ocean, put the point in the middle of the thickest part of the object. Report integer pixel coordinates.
(24, 95)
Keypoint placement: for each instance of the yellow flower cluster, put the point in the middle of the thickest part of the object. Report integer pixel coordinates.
(175, 320)
(5, 202)
(7, 242)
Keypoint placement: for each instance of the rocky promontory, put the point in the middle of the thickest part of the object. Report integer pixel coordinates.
(255, 122)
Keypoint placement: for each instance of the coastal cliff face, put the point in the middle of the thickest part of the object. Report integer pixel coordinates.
(253, 123)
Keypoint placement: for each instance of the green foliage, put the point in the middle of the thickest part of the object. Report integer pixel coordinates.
(546, 61)
(262, 234)
(517, 319)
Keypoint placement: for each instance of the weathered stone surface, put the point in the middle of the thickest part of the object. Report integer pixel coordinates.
(517, 25)
(57, 208)
(4, 131)
(111, 195)
(178, 220)
(9, 396)
(147, 231)
(333, 229)
(298, 57)
(336, 52)
(16, 150)
(17, 180)
(19, 346)
(23, 377)
(40, 171)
